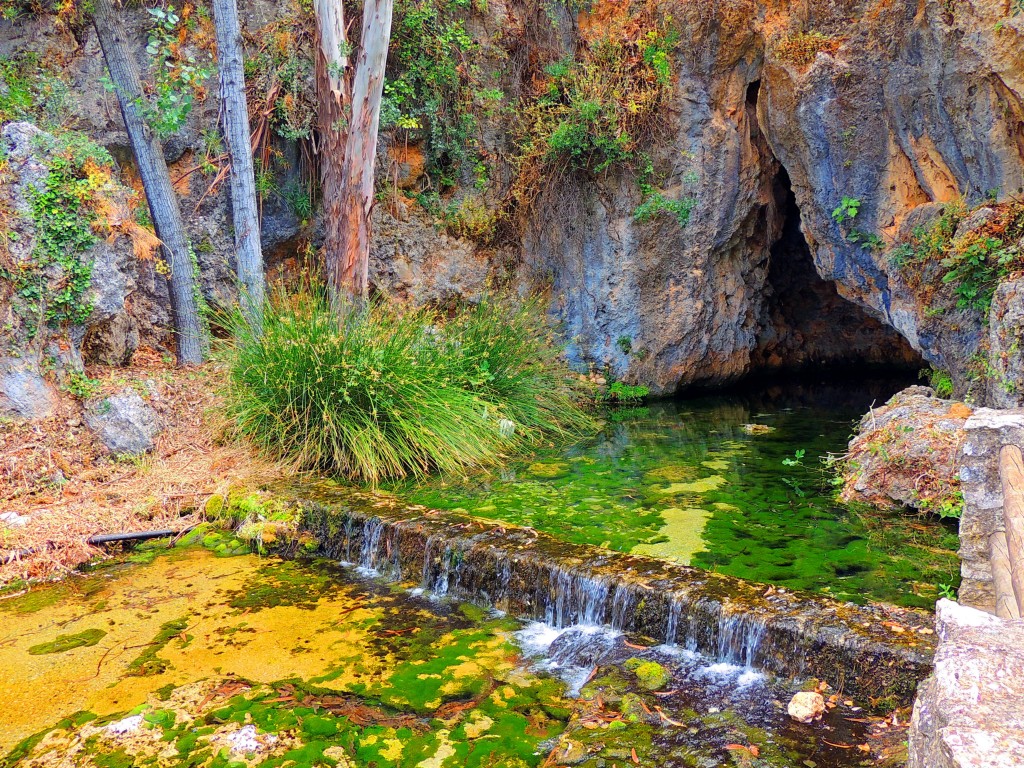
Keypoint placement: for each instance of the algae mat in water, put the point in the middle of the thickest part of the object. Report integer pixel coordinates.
(200, 660)
(693, 481)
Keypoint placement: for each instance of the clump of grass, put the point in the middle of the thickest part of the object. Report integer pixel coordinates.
(381, 391)
(803, 47)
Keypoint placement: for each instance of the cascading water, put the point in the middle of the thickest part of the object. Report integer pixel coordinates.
(587, 597)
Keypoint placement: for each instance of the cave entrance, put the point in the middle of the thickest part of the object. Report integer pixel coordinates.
(804, 322)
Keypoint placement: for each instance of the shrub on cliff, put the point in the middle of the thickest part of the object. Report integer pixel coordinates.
(386, 392)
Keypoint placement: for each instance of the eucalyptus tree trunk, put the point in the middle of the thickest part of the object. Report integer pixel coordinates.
(332, 99)
(356, 203)
(237, 135)
(163, 202)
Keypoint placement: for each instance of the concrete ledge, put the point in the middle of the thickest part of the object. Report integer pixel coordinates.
(866, 651)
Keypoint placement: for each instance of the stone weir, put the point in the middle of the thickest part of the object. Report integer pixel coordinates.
(864, 651)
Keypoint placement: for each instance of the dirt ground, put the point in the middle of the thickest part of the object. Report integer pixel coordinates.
(57, 478)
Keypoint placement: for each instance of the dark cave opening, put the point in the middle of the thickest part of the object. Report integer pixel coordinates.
(805, 323)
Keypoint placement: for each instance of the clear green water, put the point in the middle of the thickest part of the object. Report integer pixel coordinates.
(684, 480)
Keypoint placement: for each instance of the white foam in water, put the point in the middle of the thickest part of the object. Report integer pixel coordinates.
(416, 592)
(536, 639)
(741, 676)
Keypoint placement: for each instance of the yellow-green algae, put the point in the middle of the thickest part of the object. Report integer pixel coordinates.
(326, 671)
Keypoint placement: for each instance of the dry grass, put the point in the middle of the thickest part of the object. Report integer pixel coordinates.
(56, 473)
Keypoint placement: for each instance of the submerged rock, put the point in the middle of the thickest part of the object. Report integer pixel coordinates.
(651, 675)
(806, 706)
(124, 423)
(970, 712)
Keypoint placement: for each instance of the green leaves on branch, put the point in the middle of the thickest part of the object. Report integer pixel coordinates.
(177, 76)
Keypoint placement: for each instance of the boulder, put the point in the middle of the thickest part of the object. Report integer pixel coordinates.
(124, 423)
(970, 712)
(907, 453)
(24, 393)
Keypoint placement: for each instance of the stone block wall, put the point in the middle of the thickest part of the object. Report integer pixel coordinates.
(987, 431)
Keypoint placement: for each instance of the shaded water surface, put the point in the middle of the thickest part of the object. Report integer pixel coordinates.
(731, 483)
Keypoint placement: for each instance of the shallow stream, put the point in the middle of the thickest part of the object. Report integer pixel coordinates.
(192, 659)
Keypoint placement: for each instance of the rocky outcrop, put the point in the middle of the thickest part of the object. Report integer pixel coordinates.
(986, 432)
(907, 453)
(778, 112)
(970, 712)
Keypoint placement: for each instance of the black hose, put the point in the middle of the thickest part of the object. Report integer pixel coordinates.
(112, 538)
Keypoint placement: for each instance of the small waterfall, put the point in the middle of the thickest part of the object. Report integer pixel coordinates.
(369, 553)
(622, 605)
(739, 638)
(565, 586)
(573, 598)
(675, 606)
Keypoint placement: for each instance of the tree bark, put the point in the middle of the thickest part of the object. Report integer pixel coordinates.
(361, 150)
(332, 98)
(163, 202)
(237, 135)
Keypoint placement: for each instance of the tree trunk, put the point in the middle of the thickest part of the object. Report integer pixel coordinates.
(361, 150)
(332, 98)
(163, 202)
(235, 119)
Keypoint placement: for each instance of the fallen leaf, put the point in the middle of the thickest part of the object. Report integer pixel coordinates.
(632, 753)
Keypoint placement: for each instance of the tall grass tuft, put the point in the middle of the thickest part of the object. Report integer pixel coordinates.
(383, 392)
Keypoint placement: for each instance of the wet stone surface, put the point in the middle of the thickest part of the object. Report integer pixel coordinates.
(239, 661)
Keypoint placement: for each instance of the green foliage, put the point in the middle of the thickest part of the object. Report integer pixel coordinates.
(797, 459)
(595, 109)
(618, 392)
(657, 203)
(381, 392)
(177, 76)
(847, 210)
(938, 380)
(81, 386)
(279, 76)
(434, 87)
(977, 261)
(63, 221)
(31, 90)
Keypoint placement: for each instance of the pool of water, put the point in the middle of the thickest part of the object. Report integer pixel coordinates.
(732, 483)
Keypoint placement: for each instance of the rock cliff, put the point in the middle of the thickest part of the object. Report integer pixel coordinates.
(817, 142)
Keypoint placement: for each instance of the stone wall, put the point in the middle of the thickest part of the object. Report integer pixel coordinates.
(970, 712)
(987, 431)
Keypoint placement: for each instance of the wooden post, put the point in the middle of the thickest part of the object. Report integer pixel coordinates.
(999, 557)
(1011, 473)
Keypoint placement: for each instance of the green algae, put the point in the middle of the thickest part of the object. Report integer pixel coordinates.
(149, 661)
(384, 681)
(650, 675)
(689, 483)
(63, 643)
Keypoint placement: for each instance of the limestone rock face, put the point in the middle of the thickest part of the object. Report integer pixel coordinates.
(970, 712)
(124, 423)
